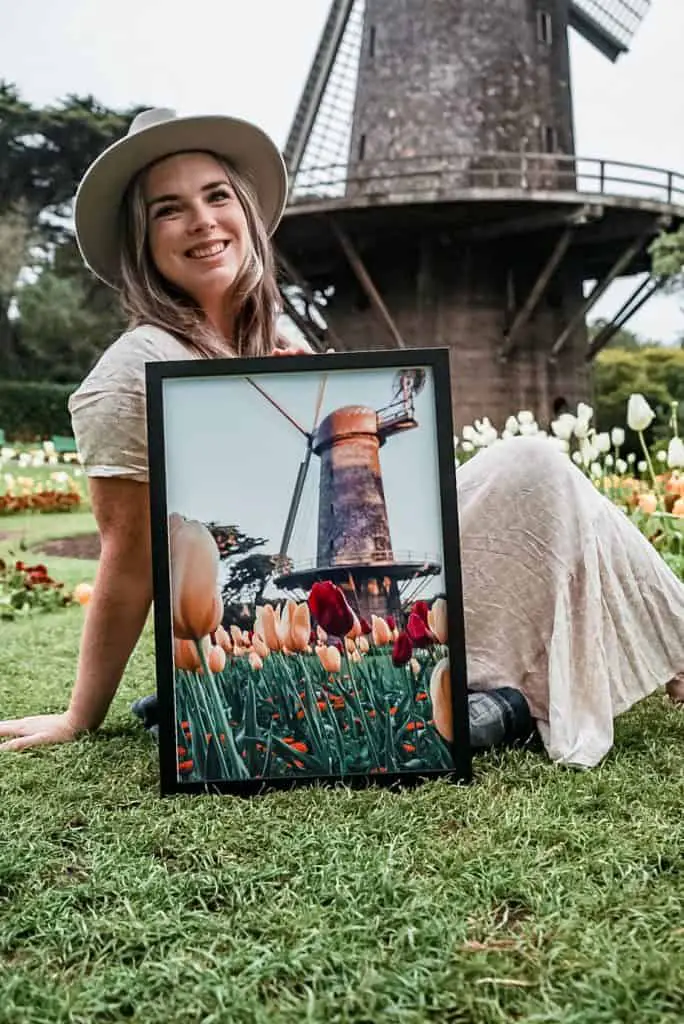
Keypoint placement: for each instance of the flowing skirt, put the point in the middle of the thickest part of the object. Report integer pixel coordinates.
(565, 600)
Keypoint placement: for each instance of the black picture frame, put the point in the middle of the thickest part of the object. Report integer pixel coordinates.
(231, 452)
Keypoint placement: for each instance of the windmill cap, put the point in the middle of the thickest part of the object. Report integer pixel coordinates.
(153, 135)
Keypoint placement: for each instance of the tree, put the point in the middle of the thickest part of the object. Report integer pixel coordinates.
(246, 577)
(43, 155)
(623, 337)
(667, 259)
(656, 373)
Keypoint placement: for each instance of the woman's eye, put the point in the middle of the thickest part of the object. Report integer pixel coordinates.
(219, 196)
(164, 211)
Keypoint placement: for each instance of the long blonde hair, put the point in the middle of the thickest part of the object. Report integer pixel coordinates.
(148, 298)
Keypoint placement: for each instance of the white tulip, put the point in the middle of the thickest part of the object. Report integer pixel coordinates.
(621, 466)
(584, 412)
(582, 429)
(640, 415)
(596, 469)
(469, 433)
(609, 461)
(631, 458)
(588, 451)
(661, 456)
(617, 436)
(564, 426)
(525, 418)
(468, 446)
(602, 442)
(529, 429)
(675, 453)
(511, 425)
(576, 458)
(560, 444)
(642, 466)
(507, 435)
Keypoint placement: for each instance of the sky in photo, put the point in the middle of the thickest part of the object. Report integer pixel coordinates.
(232, 458)
(251, 60)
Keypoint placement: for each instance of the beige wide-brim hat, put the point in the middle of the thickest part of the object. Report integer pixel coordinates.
(153, 135)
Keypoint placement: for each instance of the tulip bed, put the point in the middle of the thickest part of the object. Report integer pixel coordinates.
(293, 718)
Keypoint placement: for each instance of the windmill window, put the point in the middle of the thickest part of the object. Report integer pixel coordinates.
(544, 27)
(362, 147)
(549, 139)
(371, 42)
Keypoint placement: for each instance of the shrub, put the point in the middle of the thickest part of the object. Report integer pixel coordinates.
(31, 411)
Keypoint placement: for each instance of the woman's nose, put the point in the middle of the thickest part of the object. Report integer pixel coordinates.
(202, 218)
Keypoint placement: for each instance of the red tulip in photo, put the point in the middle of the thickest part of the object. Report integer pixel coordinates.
(329, 606)
(418, 630)
(402, 650)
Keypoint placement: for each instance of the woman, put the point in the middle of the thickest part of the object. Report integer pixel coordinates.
(565, 602)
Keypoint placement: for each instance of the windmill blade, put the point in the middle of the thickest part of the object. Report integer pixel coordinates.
(279, 407)
(302, 473)
(609, 25)
(295, 502)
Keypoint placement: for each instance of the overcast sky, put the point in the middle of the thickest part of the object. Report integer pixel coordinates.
(250, 59)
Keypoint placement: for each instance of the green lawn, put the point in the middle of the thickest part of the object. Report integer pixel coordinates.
(536, 895)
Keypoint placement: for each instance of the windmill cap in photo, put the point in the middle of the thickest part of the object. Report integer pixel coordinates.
(153, 135)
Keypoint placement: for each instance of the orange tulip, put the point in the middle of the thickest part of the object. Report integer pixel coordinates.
(223, 640)
(440, 694)
(266, 625)
(217, 659)
(363, 645)
(648, 503)
(82, 593)
(197, 604)
(185, 654)
(380, 631)
(260, 646)
(678, 507)
(255, 661)
(330, 658)
(350, 645)
(300, 629)
(437, 620)
(356, 630)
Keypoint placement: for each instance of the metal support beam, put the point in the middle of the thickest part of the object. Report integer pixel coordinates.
(538, 289)
(366, 282)
(296, 278)
(300, 321)
(637, 299)
(620, 265)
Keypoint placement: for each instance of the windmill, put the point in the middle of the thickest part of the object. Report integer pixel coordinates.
(437, 198)
(354, 547)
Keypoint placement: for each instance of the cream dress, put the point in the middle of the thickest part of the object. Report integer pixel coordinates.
(564, 598)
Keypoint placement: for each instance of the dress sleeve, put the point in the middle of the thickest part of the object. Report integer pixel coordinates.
(108, 414)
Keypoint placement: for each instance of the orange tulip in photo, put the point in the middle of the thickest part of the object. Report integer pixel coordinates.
(440, 694)
(196, 600)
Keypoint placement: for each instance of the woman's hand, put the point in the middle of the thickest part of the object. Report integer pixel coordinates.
(38, 731)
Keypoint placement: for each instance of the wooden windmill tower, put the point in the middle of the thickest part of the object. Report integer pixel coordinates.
(437, 199)
(354, 548)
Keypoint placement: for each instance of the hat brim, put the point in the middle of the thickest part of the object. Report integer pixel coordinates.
(100, 194)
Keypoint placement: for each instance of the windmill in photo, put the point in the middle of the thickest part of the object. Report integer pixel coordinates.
(437, 198)
(354, 547)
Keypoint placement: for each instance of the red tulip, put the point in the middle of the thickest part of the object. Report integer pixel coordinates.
(418, 631)
(365, 626)
(329, 606)
(402, 650)
(421, 609)
(391, 622)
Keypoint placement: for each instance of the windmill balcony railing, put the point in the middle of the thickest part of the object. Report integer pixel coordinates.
(378, 558)
(447, 174)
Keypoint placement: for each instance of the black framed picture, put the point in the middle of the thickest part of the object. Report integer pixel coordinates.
(307, 583)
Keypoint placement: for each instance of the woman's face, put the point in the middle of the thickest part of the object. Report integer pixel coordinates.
(197, 230)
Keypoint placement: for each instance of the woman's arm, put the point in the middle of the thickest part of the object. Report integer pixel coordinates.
(116, 615)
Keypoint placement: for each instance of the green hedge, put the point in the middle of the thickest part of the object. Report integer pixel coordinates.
(32, 411)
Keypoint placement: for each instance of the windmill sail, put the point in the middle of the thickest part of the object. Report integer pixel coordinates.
(321, 130)
(610, 25)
